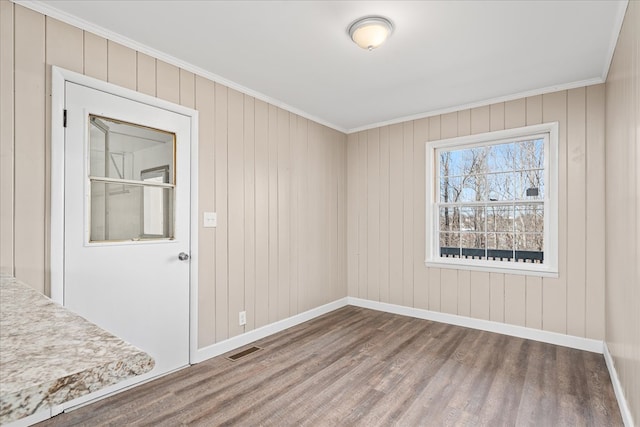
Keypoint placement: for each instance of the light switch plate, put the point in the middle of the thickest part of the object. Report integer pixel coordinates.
(209, 219)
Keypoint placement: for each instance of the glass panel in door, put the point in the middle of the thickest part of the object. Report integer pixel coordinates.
(132, 184)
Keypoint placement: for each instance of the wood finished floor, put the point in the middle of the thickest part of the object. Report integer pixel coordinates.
(361, 367)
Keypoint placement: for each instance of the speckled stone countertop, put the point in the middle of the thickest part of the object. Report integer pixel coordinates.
(50, 355)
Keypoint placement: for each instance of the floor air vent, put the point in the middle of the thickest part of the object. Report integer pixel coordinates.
(243, 353)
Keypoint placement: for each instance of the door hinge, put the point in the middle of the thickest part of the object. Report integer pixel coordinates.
(64, 118)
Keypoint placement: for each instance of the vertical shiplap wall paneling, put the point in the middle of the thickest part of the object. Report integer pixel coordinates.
(595, 213)
(205, 104)
(449, 276)
(449, 290)
(515, 113)
(64, 47)
(249, 211)
(167, 82)
(278, 182)
(342, 215)
(7, 148)
(383, 262)
(515, 299)
(396, 205)
(335, 194)
(333, 178)
(284, 213)
(420, 283)
(515, 285)
(262, 212)
(464, 122)
(221, 207)
(434, 294)
(273, 211)
(534, 302)
(235, 200)
(623, 209)
(363, 220)
(30, 150)
(122, 65)
(305, 221)
(576, 203)
(296, 168)
(95, 56)
(320, 247)
(323, 267)
(352, 214)
(372, 210)
(146, 74)
(317, 269)
(407, 214)
(386, 168)
(464, 293)
(554, 296)
(496, 297)
(187, 89)
(334, 212)
(314, 269)
(496, 114)
(313, 273)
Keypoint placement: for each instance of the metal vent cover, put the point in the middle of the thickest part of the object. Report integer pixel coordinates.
(243, 353)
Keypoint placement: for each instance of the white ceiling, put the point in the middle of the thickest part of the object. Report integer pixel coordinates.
(442, 54)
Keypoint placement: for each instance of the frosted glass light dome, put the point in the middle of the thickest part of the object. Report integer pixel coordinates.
(370, 32)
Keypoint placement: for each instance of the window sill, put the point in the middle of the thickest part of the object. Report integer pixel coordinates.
(521, 268)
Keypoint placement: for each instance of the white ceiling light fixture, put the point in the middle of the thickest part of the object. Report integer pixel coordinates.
(370, 32)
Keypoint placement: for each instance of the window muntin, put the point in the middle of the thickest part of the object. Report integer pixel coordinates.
(489, 207)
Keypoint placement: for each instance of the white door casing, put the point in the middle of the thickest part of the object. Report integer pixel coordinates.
(138, 290)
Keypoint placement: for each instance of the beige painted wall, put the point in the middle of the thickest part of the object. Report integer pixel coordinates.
(623, 208)
(276, 180)
(386, 219)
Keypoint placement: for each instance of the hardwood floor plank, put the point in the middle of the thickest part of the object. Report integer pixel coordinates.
(359, 367)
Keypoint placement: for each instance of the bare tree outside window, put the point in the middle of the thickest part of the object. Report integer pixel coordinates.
(491, 203)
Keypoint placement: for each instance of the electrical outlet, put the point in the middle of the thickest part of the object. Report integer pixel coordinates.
(242, 318)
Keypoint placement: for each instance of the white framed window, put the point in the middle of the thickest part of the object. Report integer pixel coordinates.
(492, 201)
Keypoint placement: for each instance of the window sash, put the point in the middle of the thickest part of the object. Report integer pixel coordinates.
(548, 201)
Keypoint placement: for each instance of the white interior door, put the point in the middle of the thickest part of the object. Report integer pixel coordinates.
(127, 220)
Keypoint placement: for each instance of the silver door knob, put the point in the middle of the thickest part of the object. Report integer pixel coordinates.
(183, 256)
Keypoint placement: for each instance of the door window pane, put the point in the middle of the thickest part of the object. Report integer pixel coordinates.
(131, 175)
(122, 150)
(118, 212)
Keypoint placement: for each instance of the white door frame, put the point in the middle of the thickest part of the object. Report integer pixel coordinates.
(58, 78)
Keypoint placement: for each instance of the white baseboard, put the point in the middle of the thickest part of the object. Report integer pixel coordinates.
(617, 388)
(230, 344)
(579, 343)
(240, 340)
